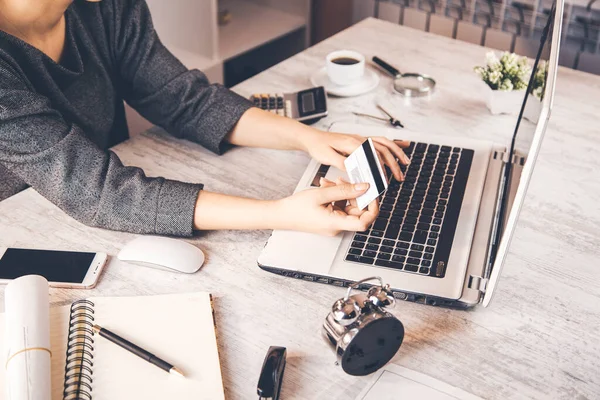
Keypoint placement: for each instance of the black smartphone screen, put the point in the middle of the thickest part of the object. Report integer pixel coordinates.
(55, 266)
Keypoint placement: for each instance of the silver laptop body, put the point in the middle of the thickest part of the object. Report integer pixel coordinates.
(462, 268)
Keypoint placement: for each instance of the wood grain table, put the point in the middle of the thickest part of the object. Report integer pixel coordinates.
(539, 339)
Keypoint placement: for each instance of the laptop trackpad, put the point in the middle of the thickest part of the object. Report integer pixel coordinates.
(299, 251)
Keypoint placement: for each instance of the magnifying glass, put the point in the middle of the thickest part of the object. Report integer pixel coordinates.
(409, 84)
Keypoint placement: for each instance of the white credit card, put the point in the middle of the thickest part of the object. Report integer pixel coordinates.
(363, 166)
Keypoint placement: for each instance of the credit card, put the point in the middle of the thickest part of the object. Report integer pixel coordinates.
(363, 166)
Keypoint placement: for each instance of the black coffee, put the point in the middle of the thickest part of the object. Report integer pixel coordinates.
(345, 61)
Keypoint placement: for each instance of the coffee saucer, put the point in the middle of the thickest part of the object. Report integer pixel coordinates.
(368, 82)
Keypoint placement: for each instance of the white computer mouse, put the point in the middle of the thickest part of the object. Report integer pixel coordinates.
(163, 253)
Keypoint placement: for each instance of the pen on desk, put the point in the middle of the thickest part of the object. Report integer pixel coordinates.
(138, 351)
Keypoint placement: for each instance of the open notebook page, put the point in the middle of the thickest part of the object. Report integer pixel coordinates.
(177, 328)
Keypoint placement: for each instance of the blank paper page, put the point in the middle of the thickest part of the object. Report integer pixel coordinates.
(177, 328)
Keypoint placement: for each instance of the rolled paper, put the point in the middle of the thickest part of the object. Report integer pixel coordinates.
(27, 339)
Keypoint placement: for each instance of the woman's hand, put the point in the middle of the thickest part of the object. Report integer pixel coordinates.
(332, 148)
(325, 210)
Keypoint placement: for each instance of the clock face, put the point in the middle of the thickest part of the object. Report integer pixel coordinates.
(373, 346)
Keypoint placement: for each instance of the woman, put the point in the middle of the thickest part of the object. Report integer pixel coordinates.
(65, 69)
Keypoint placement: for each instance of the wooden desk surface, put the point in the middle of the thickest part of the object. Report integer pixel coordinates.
(540, 337)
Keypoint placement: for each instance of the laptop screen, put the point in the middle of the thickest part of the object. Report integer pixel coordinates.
(529, 128)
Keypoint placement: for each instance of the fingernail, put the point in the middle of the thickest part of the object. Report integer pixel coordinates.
(361, 186)
(406, 159)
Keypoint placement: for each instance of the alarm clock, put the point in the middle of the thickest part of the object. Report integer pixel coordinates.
(363, 335)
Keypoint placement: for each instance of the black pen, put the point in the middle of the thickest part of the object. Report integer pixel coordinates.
(138, 351)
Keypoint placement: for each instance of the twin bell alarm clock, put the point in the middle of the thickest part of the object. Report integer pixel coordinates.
(363, 335)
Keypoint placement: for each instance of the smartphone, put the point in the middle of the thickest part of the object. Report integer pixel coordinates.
(64, 269)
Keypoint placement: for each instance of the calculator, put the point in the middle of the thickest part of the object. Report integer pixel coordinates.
(307, 106)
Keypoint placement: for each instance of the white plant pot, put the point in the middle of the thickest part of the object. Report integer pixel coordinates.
(532, 109)
(503, 101)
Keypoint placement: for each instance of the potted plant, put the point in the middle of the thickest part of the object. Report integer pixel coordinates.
(505, 78)
(536, 95)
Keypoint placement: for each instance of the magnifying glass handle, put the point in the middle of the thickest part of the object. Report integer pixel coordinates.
(390, 70)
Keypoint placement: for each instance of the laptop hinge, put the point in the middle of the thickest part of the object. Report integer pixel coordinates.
(477, 283)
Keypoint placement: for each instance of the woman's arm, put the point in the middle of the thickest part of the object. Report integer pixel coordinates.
(322, 211)
(63, 165)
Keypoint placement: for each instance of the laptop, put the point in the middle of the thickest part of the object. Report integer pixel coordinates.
(442, 235)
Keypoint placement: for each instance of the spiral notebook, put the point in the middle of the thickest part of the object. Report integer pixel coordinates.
(178, 328)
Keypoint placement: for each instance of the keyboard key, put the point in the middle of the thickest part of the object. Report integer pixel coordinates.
(417, 247)
(410, 220)
(392, 231)
(353, 258)
(359, 245)
(386, 249)
(382, 263)
(426, 263)
(443, 202)
(430, 204)
(369, 253)
(456, 150)
(411, 260)
(405, 236)
(377, 233)
(401, 252)
(431, 242)
(399, 211)
(427, 256)
(386, 207)
(396, 220)
(446, 148)
(437, 221)
(439, 214)
(436, 185)
(374, 240)
(396, 265)
(430, 198)
(423, 226)
(408, 227)
(412, 213)
(433, 148)
(425, 219)
(403, 245)
(355, 251)
(360, 238)
(372, 247)
(424, 270)
(399, 259)
(440, 208)
(366, 260)
(427, 211)
(389, 243)
(420, 237)
(444, 195)
(429, 249)
(433, 235)
(380, 224)
(415, 254)
(411, 268)
(384, 256)
(420, 147)
(435, 228)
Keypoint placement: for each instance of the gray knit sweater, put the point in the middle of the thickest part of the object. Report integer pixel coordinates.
(58, 120)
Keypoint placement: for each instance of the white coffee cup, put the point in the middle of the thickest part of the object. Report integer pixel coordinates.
(345, 74)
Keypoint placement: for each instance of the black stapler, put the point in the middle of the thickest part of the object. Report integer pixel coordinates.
(271, 375)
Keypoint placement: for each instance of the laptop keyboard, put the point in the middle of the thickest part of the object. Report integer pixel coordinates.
(417, 219)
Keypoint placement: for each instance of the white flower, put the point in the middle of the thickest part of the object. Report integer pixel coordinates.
(495, 77)
(506, 85)
(491, 59)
